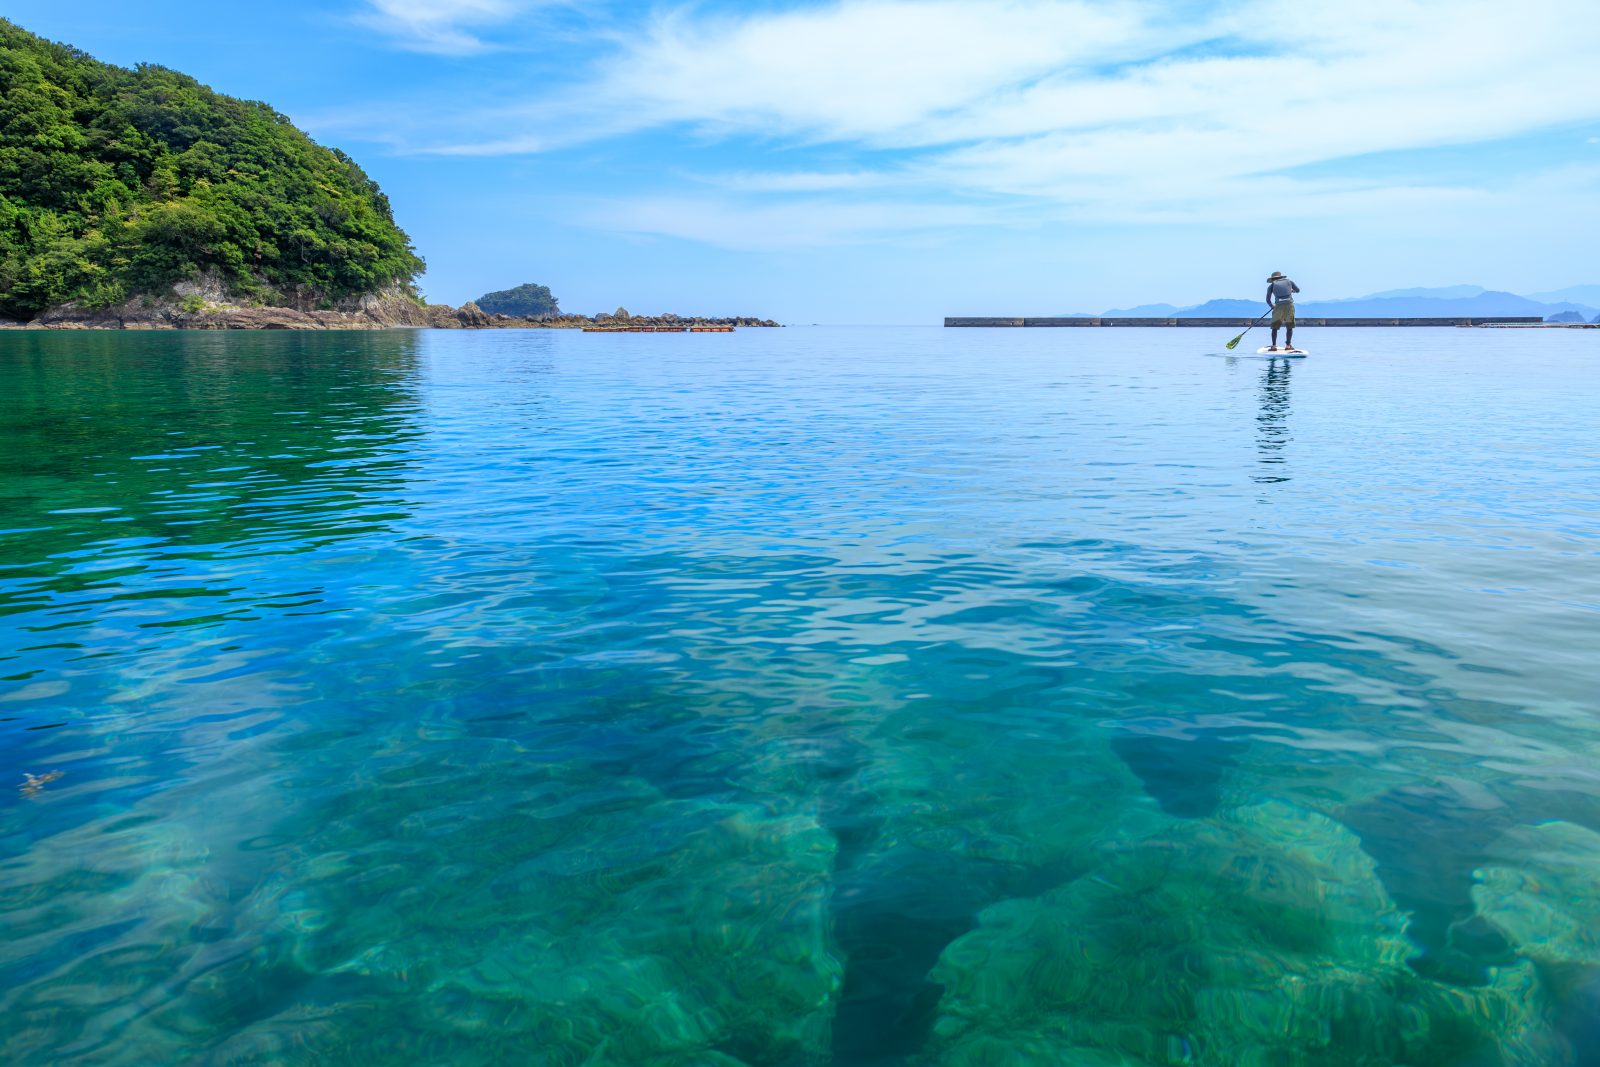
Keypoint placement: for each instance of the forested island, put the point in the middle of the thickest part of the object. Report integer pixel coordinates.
(531, 304)
(142, 199)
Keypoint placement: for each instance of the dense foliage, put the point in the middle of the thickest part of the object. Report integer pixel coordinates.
(116, 182)
(526, 301)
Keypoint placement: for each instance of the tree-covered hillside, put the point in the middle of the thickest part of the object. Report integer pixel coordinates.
(116, 183)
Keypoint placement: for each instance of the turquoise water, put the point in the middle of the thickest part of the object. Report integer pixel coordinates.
(799, 697)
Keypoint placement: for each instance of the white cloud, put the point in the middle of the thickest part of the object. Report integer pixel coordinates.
(892, 72)
(1084, 109)
(441, 26)
(862, 68)
(799, 181)
(783, 224)
(521, 144)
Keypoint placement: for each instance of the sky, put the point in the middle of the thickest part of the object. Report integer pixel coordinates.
(885, 161)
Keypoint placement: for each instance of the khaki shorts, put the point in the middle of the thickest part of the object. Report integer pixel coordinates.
(1283, 313)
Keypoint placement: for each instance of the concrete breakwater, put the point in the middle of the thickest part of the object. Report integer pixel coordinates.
(1228, 322)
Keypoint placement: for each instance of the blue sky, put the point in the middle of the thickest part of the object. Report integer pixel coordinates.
(893, 162)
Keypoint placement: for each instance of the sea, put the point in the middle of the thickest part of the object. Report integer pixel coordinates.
(800, 697)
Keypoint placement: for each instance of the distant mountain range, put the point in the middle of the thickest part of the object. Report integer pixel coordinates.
(1451, 301)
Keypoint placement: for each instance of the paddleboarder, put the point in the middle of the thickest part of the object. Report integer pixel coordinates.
(1280, 298)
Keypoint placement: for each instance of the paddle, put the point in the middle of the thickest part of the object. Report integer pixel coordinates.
(1235, 342)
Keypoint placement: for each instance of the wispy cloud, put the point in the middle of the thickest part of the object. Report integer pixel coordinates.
(864, 69)
(799, 181)
(1144, 110)
(440, 26)
(747, 225)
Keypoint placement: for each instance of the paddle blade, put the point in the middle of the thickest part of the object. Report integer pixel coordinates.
(1235, 342)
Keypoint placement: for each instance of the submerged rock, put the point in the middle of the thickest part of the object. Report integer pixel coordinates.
(1262, 936)
(599, 925)
(1544, 893)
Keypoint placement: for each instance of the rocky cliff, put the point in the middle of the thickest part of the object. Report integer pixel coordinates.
(205, 304)
(195, 306)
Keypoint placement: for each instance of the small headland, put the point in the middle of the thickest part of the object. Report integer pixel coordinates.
(204, 305)
(140, 199)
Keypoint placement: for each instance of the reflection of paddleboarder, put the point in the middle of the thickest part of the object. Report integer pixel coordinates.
(1272, 423)
(1280, 298)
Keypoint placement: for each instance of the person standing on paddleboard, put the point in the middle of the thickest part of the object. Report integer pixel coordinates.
(1280, 298)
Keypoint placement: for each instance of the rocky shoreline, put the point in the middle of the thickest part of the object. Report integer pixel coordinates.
(384, 311)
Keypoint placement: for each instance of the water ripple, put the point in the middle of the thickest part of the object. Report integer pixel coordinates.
(798, 697)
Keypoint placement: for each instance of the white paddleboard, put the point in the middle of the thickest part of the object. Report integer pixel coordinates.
(1283, 353)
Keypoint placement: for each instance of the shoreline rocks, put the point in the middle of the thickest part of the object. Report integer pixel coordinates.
(202, 310)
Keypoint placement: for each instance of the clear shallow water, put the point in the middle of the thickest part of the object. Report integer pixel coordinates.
(802, 697)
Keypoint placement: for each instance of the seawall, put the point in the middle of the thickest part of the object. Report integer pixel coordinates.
(1076, 321)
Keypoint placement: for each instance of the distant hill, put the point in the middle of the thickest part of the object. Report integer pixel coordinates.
(1222, 308)
(1453, 301)
(115, 184)
(1143, 311)
(1576, 294)
(1442, 292)
(1485, 303)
